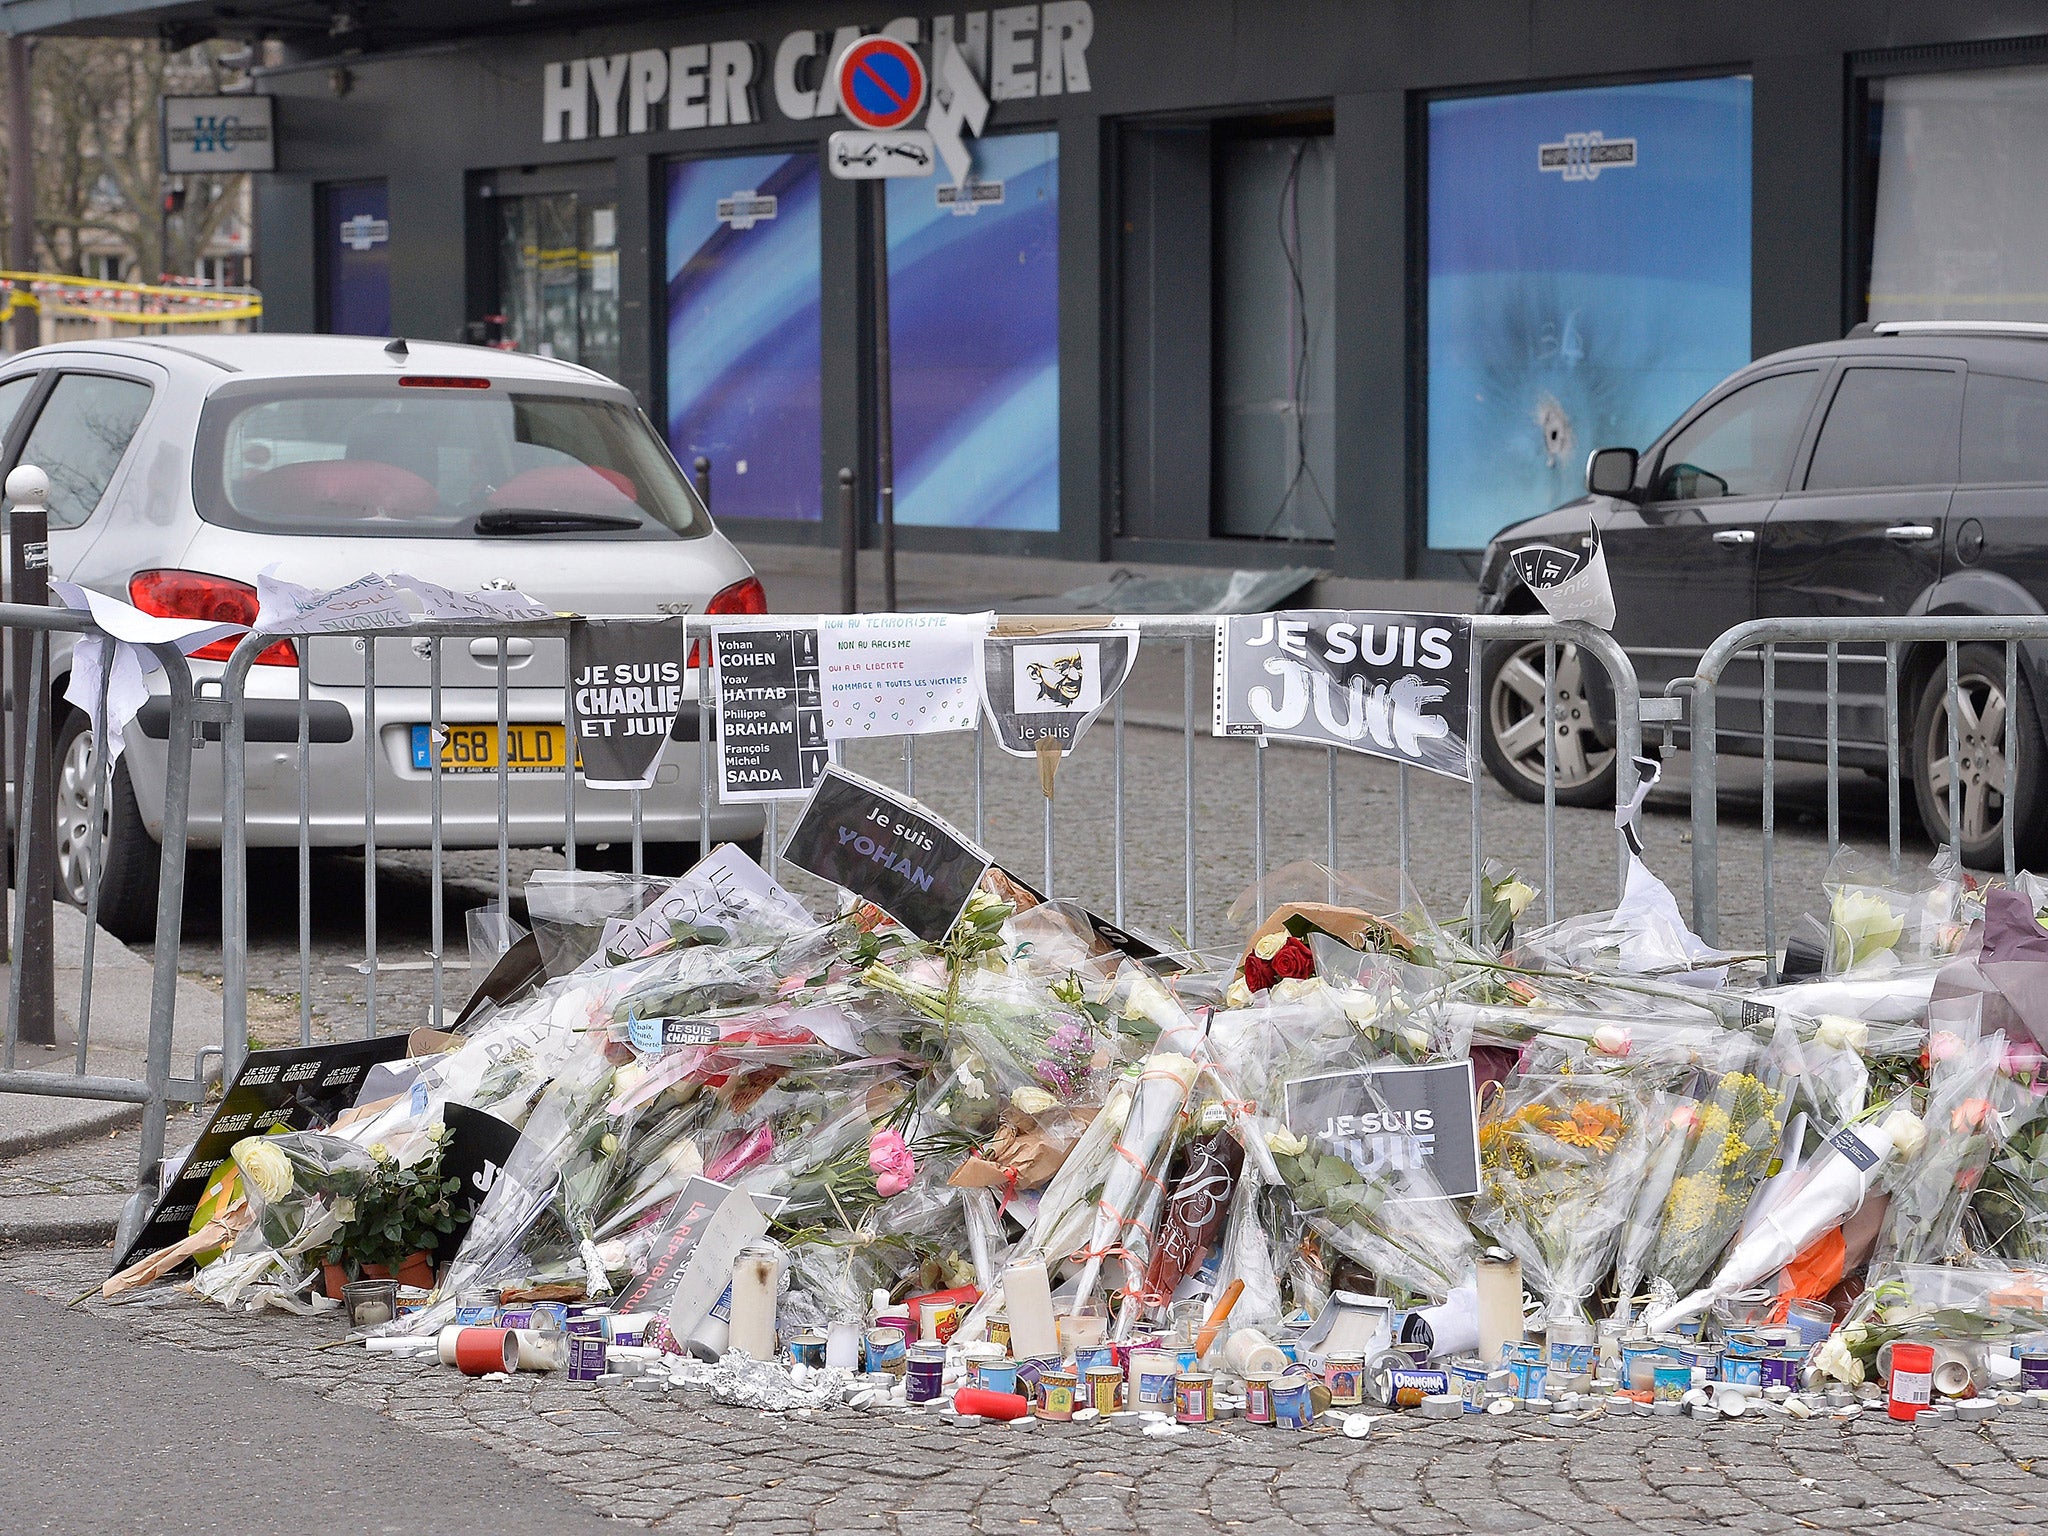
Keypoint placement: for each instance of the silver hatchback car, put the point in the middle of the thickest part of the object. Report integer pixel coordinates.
(181, 468)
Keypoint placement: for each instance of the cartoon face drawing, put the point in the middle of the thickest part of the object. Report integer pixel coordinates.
(1060, 681)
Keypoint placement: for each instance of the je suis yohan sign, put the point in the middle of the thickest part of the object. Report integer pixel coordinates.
(1017, 52)
(1395, 685)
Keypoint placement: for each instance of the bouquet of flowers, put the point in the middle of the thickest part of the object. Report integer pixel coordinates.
(1560, 1158)
(2011, 1204)
(1932, 1190)
(1731, 1136)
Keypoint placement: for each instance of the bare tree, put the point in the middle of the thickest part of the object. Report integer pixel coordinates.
(99, 159)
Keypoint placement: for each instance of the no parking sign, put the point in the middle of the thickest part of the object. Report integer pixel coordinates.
(882, 83)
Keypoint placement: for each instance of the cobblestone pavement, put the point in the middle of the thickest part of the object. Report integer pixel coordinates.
(1156, 812)
(678, 1462)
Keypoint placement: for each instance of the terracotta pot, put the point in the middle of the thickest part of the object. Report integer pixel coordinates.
(332, 1278)
(375, 1272)
(417, 1269)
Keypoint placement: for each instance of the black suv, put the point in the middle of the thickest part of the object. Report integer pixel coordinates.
(1902, 470)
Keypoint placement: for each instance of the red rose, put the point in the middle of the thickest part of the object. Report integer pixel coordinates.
(1295, 960)
(1258, 974)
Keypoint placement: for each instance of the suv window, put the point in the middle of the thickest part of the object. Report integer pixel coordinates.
(13, 396)
(2005, 430)
(1888, 426)
(79, 437)
(1741, 445)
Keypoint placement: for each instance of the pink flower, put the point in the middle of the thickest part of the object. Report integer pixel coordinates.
(1943, 1045)
(892, 1163)
(1612, 1040)
(1969, 1115)
(2023, 1061)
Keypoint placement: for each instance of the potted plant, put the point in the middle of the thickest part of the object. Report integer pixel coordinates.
(402, 1213)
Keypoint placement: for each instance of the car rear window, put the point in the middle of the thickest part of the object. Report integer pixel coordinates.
(377, 459)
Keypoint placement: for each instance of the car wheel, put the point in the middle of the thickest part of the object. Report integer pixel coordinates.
(1511, 726)
(1981, 706)
(131, 862)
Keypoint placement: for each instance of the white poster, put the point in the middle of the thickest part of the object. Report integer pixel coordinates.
(900, 674)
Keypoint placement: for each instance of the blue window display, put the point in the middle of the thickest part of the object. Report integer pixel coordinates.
(357, 216)
(974, 329)
(1589, 278)
(743, 338)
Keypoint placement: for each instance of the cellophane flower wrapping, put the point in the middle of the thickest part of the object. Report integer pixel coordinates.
(301, 1191)
(1931, 1191)
(2011, 1203)
(1560, 1159)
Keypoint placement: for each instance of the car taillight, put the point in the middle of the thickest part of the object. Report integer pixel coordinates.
(218, 599)
(743, 596)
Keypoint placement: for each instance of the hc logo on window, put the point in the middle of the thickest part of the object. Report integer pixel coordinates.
(1583, 156)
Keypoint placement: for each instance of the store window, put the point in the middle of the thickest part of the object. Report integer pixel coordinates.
(558, 276)
(974, 337)
(1589, 278)
(1957, 217)
(743, 339)
(355, 220)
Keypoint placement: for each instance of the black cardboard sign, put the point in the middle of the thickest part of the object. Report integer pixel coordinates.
(1395, 685)
(479, 1145)
(628, 677)
(887, 850)
(300, 1089)
(771, 718)
(1394, 1117)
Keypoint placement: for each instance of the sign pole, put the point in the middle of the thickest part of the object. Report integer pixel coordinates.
(885, 433)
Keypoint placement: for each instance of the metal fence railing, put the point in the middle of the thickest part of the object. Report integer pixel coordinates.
(1846, 693)
(398, 681)
(87, 775)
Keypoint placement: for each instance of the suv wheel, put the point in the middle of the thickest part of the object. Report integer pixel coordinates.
(1511, 728)
(1979, 762)
(130, 858)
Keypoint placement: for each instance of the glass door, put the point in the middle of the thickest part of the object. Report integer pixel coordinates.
(558, 276)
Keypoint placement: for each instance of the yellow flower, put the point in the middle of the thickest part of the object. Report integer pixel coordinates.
(1285, 1142)
(1595, 1126)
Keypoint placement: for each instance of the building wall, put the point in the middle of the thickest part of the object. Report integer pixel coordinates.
(439, 126)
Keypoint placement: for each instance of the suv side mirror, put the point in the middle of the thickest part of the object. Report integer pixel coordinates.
(1611, 472)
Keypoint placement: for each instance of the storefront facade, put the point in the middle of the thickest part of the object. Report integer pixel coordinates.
(1314, 282)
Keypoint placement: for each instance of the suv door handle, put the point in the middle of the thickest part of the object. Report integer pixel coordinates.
(1736, 536)
(1909, 533)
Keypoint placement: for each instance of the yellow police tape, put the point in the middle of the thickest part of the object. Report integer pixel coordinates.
(200, 307)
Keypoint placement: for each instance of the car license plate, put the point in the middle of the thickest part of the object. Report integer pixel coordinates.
(475, 748)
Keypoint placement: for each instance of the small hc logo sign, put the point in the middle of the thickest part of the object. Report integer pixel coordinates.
(363, 232)
(215, 134)
(1583, 156)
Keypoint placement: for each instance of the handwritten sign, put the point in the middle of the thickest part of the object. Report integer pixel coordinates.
(887, 850)
(900, 674)
(721, 891)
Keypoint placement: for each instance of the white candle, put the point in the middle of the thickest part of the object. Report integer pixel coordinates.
(753, 1303)
(1027, 1295)
(1500, 1304)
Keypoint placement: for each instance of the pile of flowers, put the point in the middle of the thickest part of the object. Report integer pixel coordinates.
(1656, 1127)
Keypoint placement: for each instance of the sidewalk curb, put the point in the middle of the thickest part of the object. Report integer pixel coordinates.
(58, 1231)
(109, 1117)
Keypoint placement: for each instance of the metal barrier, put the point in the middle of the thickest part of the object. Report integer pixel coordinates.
(36, 821)
(1908, 650)
(407, 806)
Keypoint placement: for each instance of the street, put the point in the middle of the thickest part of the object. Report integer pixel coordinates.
(129, 1415)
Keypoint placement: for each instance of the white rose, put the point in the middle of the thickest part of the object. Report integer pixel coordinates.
(1239, 995)
(1416, 1036)
(1032, 1101)
(1285, 1142)
(1908, 1134)
(1270, 945)
(1840, 1032)
(1290, 989)
(1360, 1006)
(1514, 895)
